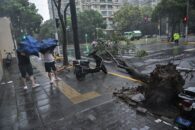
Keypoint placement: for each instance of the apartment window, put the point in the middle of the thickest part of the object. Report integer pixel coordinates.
(109, 1)
(95, 6)
(88, 7)
(109, 13)
(104, 13)
(103, 1)
(110, 21)
(109, 6)
(103, 7)
(105, 21)
(84, 7)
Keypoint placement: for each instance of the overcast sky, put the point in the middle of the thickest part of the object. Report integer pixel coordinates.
(42, 6)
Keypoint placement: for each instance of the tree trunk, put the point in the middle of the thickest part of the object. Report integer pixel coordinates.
(135, 74)
(161, 87)
(64, 47)
(65, 62)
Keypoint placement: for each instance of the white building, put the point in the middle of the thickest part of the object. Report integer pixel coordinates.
(151, 3)
(6, 39)
(104, 7)
(140, 3)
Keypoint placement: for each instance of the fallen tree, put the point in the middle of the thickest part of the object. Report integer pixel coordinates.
(161, 87)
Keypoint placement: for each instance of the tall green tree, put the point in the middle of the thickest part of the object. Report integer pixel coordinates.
(24, 16)
(130, 18)
(146, 11)
(192, 3)
(47, 30)
(127, 18)
(90, 22)
(173, 9)
(147, 26)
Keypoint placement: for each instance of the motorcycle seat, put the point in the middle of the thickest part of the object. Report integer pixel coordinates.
(81, 62)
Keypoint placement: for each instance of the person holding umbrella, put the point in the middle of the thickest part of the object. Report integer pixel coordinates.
(47, 48)
(26, 48)
(25, 67)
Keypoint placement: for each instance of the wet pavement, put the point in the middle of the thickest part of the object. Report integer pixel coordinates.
(74, 105)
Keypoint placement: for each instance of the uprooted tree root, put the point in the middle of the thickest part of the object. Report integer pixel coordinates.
(161, 87)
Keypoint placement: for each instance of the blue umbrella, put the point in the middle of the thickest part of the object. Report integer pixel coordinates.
(48, 45)
(30, 46)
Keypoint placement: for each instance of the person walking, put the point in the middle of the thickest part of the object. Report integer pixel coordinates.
(25, 67)
(50, 67)
(176, 38)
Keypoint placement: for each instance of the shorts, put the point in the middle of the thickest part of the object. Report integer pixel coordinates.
(26, 69)
(49, 66)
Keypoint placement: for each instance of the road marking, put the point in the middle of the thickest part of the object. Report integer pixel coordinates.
(103, 103)
(191, 49)
(124, 77)
(84, 97)
(188, 43)
(73, 95)
(67, 90)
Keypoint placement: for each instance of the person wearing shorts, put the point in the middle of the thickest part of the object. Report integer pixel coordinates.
(25, 68)
(50, 66)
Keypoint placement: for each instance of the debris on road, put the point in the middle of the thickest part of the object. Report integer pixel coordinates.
(92, 117)
(2, 83)
(158, 120)
(141, 110)
(160, 89)
(9, 82)
(138, 97)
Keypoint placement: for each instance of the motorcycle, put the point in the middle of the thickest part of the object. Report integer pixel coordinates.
(186, 119)
(8, 59)
(82, 68)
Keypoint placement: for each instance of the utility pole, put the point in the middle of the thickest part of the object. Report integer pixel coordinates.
(167, 26)
(75, 28)
(187, 16)
(87, 47)
(159, 27)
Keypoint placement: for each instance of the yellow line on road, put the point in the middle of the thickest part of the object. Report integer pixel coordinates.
(67, 90)
(188, 43)
(73, 95)
(84, 97)
(124, 77)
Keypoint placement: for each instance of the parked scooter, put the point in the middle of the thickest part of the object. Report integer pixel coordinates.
(82, 67)
(186, 119)
(8, 59)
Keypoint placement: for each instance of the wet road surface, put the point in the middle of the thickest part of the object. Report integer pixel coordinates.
(71, 104)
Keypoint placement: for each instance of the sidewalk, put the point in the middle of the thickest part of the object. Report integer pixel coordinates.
(46, 108)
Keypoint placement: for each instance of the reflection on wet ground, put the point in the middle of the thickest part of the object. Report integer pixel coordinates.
(88, 106)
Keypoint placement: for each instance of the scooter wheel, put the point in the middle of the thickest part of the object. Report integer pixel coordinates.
(79, 77)
(79, 74)
(104, 69)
